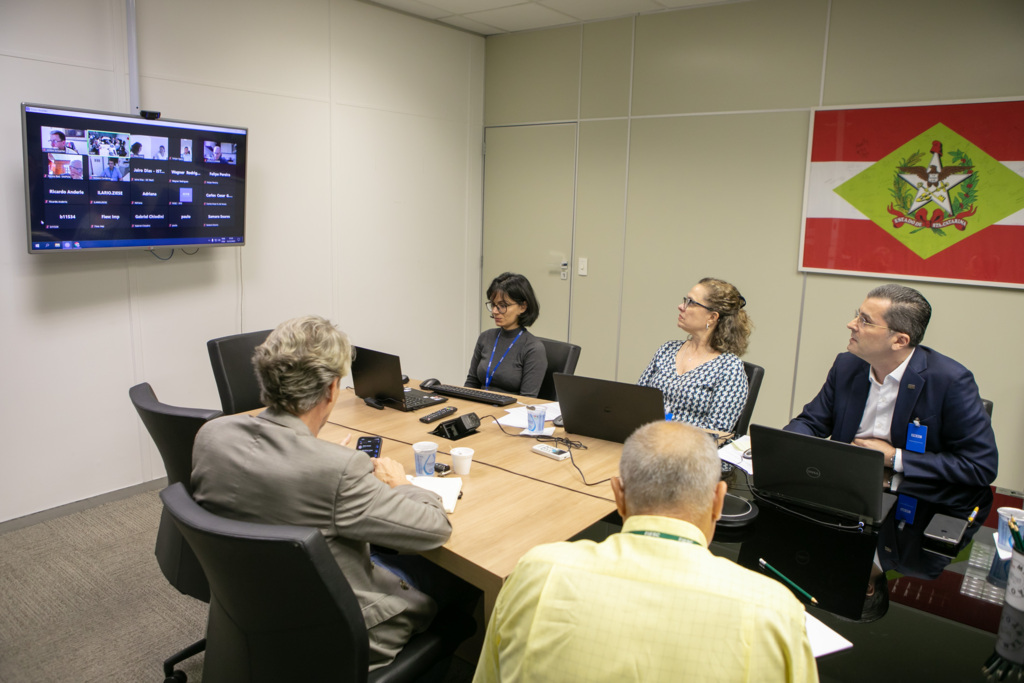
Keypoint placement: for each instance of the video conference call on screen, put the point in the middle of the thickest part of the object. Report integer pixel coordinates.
(97, 180)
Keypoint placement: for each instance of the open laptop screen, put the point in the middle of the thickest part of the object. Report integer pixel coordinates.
(607, 410)
(831, 476)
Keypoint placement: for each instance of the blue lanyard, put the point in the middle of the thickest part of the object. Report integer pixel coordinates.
(488, 376)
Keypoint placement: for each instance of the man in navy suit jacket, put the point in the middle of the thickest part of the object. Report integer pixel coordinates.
(886, 384)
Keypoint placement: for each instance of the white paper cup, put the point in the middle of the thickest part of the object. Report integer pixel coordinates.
(462, 460)
(426, 454)
(1015, 581)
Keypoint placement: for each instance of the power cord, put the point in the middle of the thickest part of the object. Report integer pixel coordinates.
(560, 441)
(858, 527)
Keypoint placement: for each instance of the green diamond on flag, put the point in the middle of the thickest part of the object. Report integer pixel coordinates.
(934, 191)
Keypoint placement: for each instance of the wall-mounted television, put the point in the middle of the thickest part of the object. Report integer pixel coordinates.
(102, 180)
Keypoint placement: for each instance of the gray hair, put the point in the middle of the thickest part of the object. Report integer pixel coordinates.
(669, 466)
(297, 363)
(909, 312)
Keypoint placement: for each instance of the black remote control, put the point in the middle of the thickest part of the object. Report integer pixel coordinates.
(438, 414)
(369, 445)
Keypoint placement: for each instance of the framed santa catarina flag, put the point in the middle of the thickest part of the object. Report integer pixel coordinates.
(931, 192)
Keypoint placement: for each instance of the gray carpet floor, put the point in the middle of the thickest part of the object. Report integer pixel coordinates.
(82, 599)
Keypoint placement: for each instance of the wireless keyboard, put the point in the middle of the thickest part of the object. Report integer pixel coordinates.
(472, 394)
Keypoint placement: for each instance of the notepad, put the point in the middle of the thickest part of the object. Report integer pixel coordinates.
(446, 487)
(824, 641)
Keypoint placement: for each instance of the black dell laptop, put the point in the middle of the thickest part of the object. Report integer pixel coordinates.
(831, 476)
(378, 376)
(604, 409)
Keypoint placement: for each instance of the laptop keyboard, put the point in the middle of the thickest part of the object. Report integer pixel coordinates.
(416, 402)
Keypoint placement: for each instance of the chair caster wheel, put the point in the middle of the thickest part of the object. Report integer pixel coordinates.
(177, 677)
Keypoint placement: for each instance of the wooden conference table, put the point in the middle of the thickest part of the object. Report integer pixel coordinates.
(942, 617)
(513, 499)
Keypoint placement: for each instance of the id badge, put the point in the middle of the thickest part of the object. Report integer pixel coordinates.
(906, 509)
(917, 436)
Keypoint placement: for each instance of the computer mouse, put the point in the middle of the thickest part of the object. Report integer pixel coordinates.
(427, 383)
(405, 379)
(558, 421)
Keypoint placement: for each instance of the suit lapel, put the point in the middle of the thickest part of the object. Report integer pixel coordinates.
(856, 395)
(911, 388)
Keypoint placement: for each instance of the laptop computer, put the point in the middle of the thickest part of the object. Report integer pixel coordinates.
(377, 375)
(830, 476)
(604, 409)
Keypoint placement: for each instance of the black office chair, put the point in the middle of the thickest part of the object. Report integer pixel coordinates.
(174, 430)
(562, 357)
(281, 609)
(755, 373)
(988, 406)
(231, 358)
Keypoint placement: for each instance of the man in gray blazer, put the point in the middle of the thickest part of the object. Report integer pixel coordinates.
(273, 469)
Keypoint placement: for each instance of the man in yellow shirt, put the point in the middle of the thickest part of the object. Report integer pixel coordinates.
(650, 603)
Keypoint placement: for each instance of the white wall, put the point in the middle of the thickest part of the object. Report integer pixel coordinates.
(390, 192)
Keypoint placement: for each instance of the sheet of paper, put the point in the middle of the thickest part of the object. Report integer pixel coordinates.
(824, 641)
(446, 487)
(516, 417)
(733, 453)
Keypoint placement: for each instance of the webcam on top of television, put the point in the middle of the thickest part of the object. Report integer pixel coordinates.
(149, 115)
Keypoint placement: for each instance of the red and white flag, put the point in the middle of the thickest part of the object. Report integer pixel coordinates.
(923, 192)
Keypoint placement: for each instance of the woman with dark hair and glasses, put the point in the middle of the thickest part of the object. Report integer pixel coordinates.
(702, 377)
(509, 358)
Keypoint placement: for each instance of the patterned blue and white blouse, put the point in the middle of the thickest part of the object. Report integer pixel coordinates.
(710, 396)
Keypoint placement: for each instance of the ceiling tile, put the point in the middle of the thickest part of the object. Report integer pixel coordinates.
(469, 6)
(414, 7)
(471, 25)
(589, 10)
(522, 17)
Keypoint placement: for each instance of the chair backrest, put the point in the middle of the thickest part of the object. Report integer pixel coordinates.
(174, 429)
(231, 358)
(562, 357)
(755, 373)
(281, 608)
(987, 404)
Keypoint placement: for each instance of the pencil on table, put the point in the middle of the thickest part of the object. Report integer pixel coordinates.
(765, 565)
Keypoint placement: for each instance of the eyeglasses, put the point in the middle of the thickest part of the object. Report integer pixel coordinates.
(687, 302)
(860, 321)
(500, 308)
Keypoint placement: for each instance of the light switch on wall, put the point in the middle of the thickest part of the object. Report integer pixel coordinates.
(581, 269)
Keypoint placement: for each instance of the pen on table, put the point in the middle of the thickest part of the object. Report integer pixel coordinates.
(765, 565)
(974, 513)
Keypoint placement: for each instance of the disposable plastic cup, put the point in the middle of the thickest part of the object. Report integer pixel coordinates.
(535, 419)
(426, 454)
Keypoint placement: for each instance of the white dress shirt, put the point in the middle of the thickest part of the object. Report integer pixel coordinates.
(876, 423)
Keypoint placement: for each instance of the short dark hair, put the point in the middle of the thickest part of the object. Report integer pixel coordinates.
(909, 312)
(517, 288)
(58, 133)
